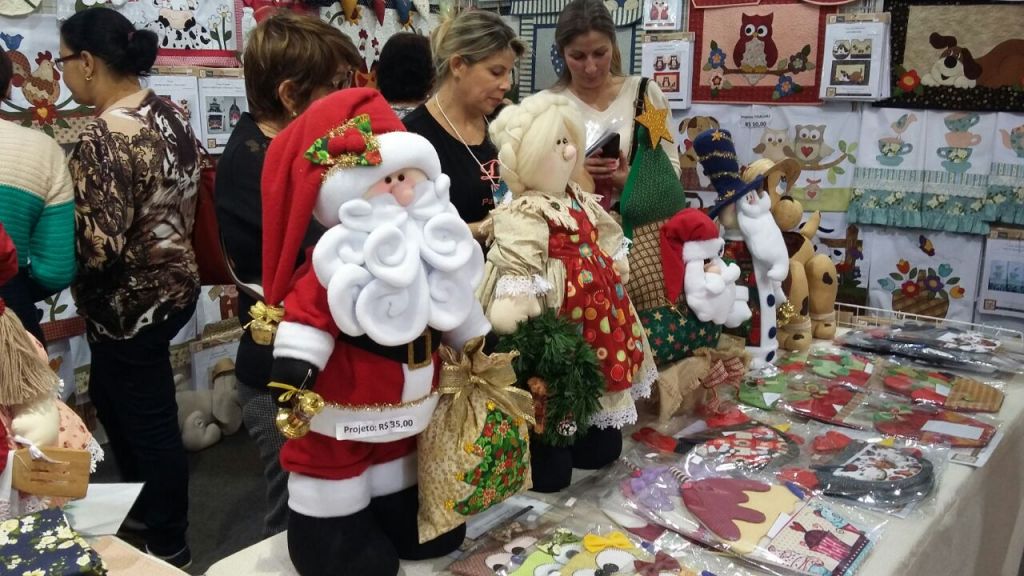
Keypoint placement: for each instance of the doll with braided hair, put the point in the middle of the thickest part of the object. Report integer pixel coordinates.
(555, 247)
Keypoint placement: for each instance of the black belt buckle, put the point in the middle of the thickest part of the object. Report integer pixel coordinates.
(421, 351)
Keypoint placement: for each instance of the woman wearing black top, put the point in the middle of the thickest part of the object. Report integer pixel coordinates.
(278, 89)
(474, 55)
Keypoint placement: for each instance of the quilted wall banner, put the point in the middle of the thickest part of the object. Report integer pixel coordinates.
(769, 53)
(1005, 195)
(824, 141)
(39, 98)
(370, 27)
(888, 180)
(190, 32)
(957, 55)
(957, 161)
(921, 272)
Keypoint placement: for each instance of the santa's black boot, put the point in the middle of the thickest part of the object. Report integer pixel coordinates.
(353, 545)
(551, 466)
(598, 448)
(396, 514)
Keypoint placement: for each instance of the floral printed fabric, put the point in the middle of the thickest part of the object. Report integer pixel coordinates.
(136, 177)
(43, 544)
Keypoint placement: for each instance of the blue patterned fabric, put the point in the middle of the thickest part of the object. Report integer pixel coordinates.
(43, 544)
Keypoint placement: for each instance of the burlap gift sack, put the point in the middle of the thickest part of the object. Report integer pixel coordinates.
(475, 453)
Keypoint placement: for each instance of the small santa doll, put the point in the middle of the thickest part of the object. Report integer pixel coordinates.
(391, 279)
(709, 283)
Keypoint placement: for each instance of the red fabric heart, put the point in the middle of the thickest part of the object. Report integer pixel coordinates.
(655, 439)
(806, 150)
(352, 141)
(830, 442)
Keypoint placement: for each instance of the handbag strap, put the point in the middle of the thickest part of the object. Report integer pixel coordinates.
(638, 109)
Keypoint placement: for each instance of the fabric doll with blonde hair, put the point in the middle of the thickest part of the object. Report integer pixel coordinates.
(556, 247)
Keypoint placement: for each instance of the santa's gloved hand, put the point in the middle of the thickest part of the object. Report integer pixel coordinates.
(291, 372)
(506, 313)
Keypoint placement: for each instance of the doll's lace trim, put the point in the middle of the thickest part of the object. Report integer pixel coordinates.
(96, 454)
(623, 250)
(511, 286)
(614, 418)
(643, 383)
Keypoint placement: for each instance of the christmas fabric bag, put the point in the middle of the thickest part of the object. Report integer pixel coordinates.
(475, 453)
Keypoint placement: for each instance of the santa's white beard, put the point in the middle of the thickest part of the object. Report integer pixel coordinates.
(391, 271)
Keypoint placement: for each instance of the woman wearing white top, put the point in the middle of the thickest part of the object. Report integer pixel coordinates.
(593, 79)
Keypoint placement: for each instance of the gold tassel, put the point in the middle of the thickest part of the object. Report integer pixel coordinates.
(24, 375)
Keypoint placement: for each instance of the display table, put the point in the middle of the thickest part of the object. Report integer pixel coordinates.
(122, 559)
(975, 525)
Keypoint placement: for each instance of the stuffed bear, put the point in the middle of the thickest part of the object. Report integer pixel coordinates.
(555, 247)
(205, 416)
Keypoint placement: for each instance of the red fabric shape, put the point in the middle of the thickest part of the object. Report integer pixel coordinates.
(351, 142)
(822, 406)
(909, 426)
(594, 289)
(732, 417)
(830, 442)
(655, 439)
(291, 182)
(8, 257)
(716, 502)
(800, 476)
(662, 563)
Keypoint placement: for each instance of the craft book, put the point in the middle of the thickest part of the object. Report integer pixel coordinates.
(856, 58)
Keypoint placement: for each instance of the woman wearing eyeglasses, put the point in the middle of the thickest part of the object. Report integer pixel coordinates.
(290, 61)
(135, 171)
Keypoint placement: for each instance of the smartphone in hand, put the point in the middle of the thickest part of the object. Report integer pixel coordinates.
(606, 147)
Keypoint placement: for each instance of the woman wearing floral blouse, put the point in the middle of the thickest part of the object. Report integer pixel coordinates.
(136, 173)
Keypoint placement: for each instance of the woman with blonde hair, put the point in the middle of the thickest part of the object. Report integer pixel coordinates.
(556, 247)
(290, 60)
(593, 79)
(474, 55)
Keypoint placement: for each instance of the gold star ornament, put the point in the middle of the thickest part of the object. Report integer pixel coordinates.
(656, 122)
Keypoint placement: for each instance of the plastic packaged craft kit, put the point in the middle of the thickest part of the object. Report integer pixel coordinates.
(939, 388)
(887, 474)
(950, 348)
(778, 527)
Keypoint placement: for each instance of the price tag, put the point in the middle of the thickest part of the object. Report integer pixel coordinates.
(952, 429)
(373, 428)
(942, 390)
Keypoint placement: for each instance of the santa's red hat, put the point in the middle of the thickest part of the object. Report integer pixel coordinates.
(689, 235)
(338, 133)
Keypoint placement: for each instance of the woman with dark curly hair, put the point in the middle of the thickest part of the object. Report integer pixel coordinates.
(405, 72)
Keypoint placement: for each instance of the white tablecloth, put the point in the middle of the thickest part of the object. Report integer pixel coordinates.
(974, 527)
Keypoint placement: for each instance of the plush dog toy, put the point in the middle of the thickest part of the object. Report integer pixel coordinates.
(205, 416)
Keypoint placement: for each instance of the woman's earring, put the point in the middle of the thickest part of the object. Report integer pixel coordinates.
(88, 78)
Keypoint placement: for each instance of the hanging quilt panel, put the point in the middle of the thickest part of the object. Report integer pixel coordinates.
(957, 54)
(823, 140)
(190, 32)
(740, 58)
(1005, 195)
(39, 99)
(919, 272)
(888, 180)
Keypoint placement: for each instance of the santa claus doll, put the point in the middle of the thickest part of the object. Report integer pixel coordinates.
(390, 280)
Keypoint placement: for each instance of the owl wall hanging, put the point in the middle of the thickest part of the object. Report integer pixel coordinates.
(741, 58)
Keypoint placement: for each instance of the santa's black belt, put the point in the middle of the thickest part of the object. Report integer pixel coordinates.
(416, 354)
